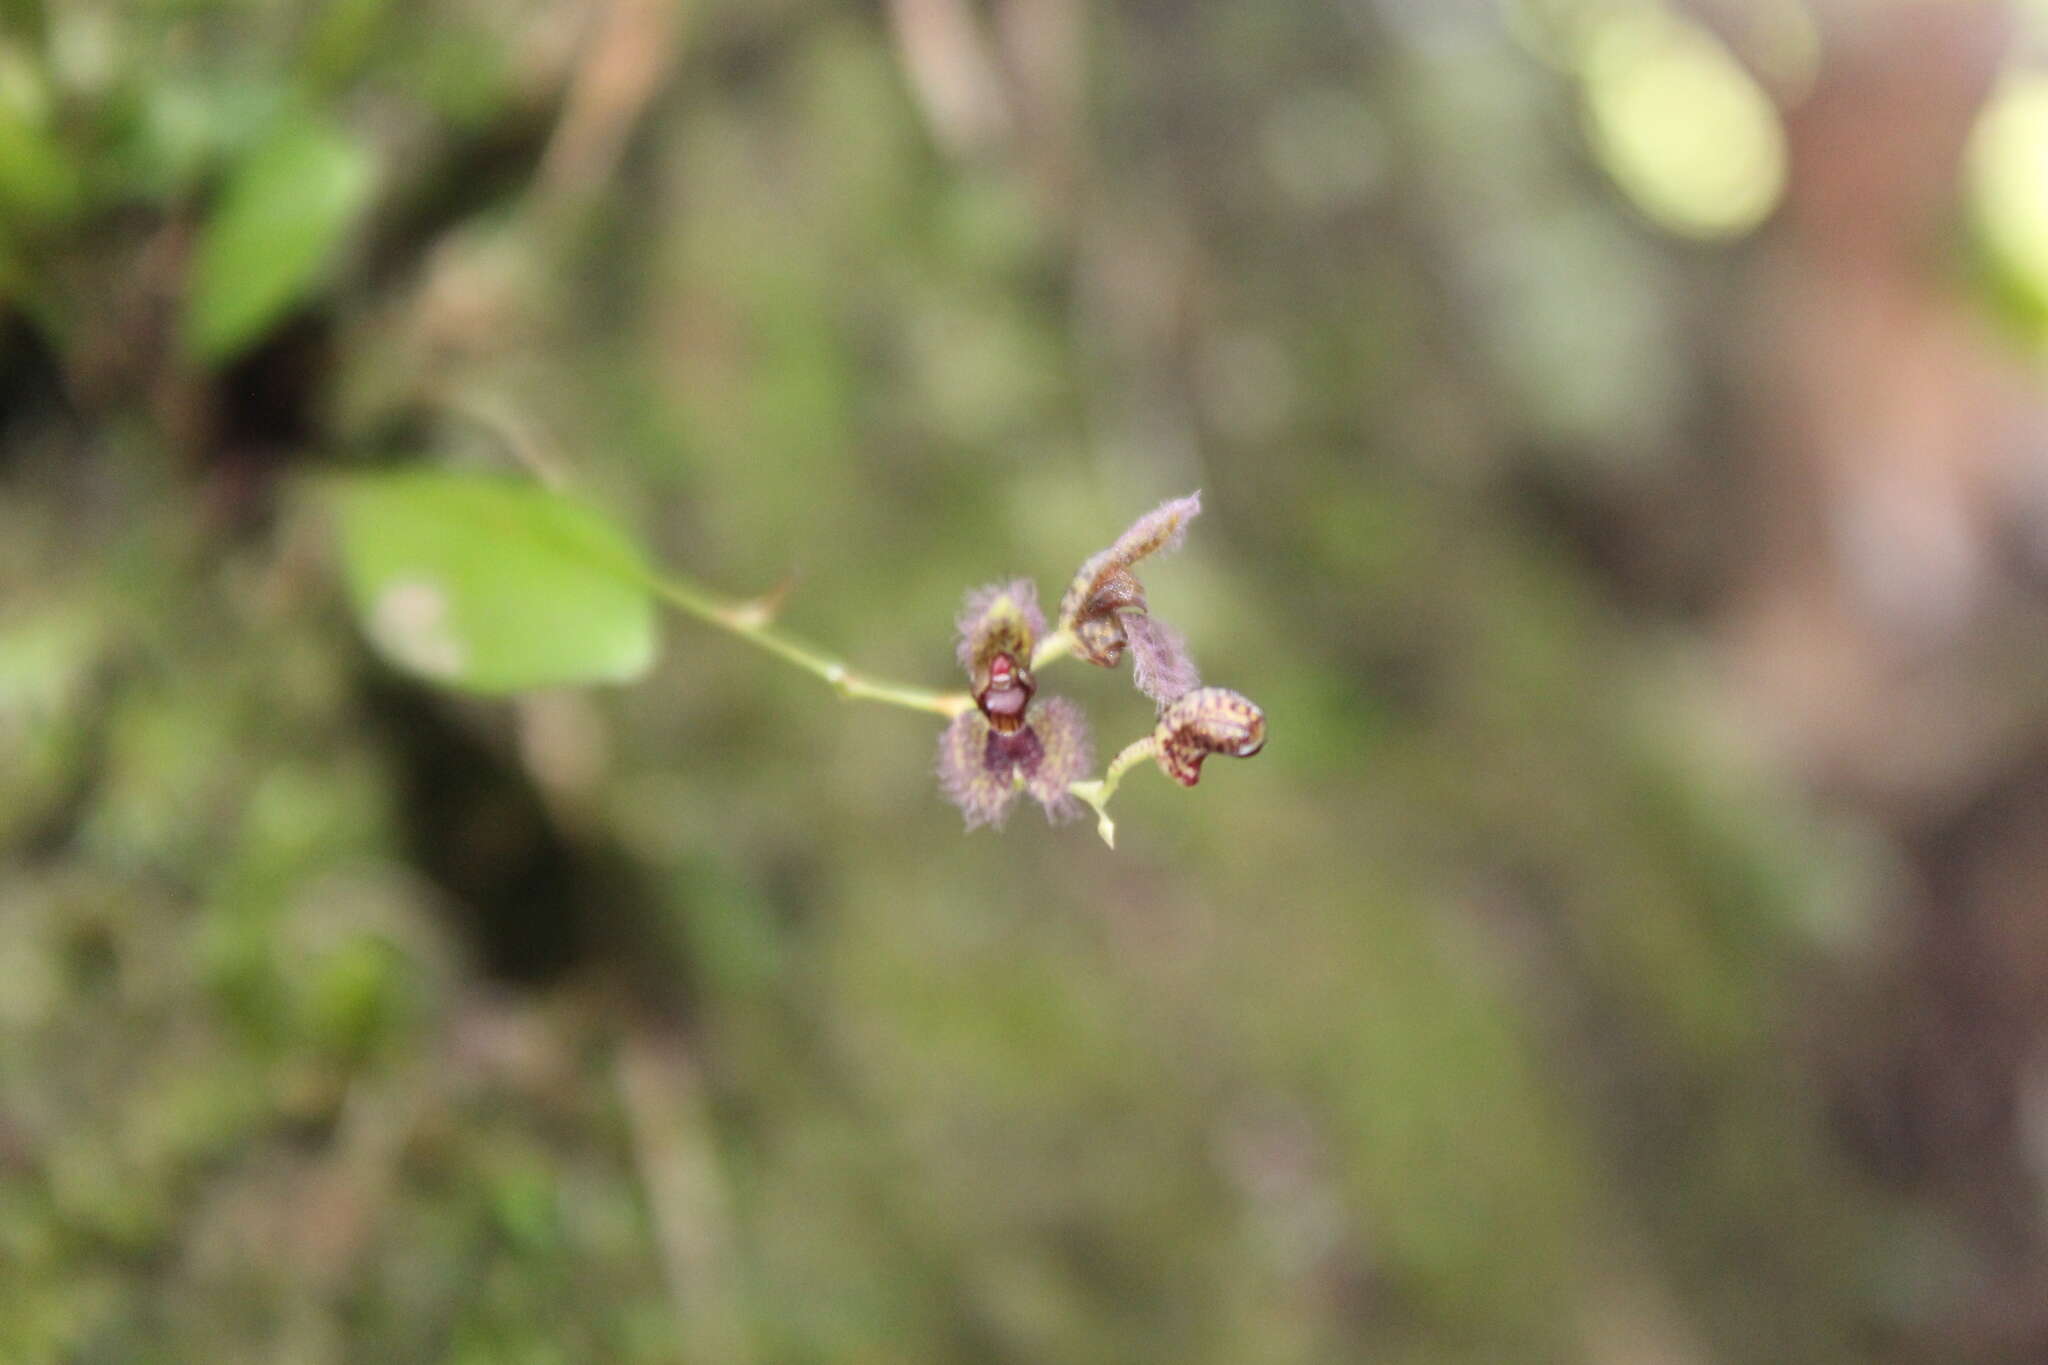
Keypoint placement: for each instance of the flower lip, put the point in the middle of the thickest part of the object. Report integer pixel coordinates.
(983, 769)
(1007, 695)
(1005, 755)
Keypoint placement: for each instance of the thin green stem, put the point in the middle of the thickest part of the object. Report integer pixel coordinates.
(1097, 792)
(1132, 754)
(1057, 645)
(751, 621)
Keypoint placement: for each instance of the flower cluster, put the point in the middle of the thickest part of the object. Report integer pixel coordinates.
(1011, 743)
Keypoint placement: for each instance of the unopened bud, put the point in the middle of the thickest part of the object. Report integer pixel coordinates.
(1208, 720)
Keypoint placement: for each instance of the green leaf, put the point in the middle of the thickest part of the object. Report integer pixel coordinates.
(284, 211)
(492, 584)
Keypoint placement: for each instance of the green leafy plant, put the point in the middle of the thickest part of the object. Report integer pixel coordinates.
(498, 585)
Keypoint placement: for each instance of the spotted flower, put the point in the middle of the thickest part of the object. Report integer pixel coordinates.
(1208, 720)
(1005, 745)
(1105, 612)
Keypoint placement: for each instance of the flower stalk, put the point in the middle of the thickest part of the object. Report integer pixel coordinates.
(1206, 721)
(1054, 647)
(1097, 791)
(753, 621)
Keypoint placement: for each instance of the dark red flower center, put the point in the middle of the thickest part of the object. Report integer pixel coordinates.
(1004, 755)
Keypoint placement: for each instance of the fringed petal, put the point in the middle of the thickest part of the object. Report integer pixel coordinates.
(1105, 583)
(1105, 595)
(983, 795)
(1000, 616)
(1160, 666)
(1160, 530)
(1068, 756)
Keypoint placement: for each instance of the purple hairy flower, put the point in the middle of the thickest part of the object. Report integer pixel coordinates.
(1005, 746)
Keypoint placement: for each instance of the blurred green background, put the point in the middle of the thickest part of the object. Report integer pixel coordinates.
(1622, 436)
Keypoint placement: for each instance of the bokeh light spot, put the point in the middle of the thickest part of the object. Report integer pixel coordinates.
(1682, 128)
(2008, 182)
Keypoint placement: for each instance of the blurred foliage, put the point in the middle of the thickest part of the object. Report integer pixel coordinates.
(492, 585)
(278, 221)
(343, 1020)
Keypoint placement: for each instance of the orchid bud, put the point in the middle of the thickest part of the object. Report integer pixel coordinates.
(1209, 720)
